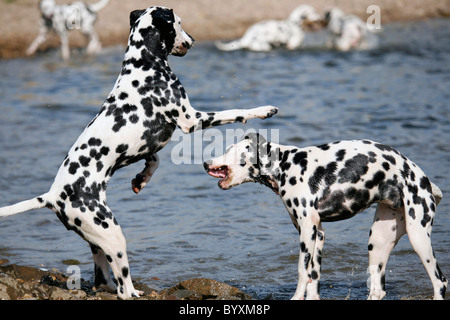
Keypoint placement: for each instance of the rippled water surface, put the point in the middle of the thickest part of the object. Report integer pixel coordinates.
(182, 225)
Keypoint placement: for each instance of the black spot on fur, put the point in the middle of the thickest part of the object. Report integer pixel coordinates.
(322, 175)
(425, 184)
(293, 181)
(354, 169)
(84, 161)
(378, 177)
(340, 155)
(121, 148)
(73, 167)
(94, 142)
(300, 158)
(324, 147)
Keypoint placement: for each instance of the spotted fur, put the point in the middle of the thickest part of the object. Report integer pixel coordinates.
(336, 181)
(136, 120)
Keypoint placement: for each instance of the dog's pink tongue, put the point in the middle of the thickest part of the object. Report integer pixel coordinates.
(218, 173)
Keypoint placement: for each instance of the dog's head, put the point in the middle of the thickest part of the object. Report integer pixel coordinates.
(249, 160)
(332, 18)
(47, 7)
(304, 14)
(159, 28)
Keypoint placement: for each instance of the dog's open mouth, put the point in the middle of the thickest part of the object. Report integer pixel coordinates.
(220, 172)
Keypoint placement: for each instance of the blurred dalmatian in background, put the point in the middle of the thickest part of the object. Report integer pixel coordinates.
(271, 34)
(63, 18)
(347, 32)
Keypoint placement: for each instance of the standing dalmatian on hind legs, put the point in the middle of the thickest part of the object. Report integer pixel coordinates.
(336, 181)
(136, 120)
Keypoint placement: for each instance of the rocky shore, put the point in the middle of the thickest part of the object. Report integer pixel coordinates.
(203, 19)
(26, 283)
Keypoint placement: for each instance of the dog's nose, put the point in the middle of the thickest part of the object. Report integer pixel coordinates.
(206, 164)
(187, 45)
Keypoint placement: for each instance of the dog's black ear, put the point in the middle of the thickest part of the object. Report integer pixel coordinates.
(134, 15)
(163, 21)
(165, 15)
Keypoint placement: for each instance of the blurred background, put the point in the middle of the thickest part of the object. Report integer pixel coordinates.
(206, 19)
(182, 225)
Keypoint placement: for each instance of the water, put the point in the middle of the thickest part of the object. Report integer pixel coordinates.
(182, 225)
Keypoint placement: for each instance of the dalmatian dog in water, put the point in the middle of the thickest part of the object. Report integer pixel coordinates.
(270, 34)
(347, 32)
(336, 181)
(63, 18)
(137, 119)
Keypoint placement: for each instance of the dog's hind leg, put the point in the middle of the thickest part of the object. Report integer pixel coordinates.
(65, 50)
(387, 228)
(94, 46)
(105, 235)
(42, 36)
(312, 289)
(308, 238)
(102, 276)
(113, 245)
(419, 220)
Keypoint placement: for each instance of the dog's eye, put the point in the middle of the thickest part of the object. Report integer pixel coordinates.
(247, 147)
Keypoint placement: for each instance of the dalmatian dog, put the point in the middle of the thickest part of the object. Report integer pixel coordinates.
(270, 34)
(336, 181)
(137, 119)
(346, 32)
(63, 18)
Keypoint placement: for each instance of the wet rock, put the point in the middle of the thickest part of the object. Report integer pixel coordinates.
(202, 289)
(26, 283)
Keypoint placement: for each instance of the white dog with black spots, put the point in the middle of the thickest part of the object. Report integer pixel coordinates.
(137, 119)
(336, 181)
(271, 34)
(63, 18)
(346, 32)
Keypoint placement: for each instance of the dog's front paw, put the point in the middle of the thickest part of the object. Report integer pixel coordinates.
(138, 183)
(267, 111)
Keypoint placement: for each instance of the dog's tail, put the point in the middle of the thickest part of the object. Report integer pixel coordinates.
(230, 46)
(96, 7)
(35, 203)
(437, 193)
